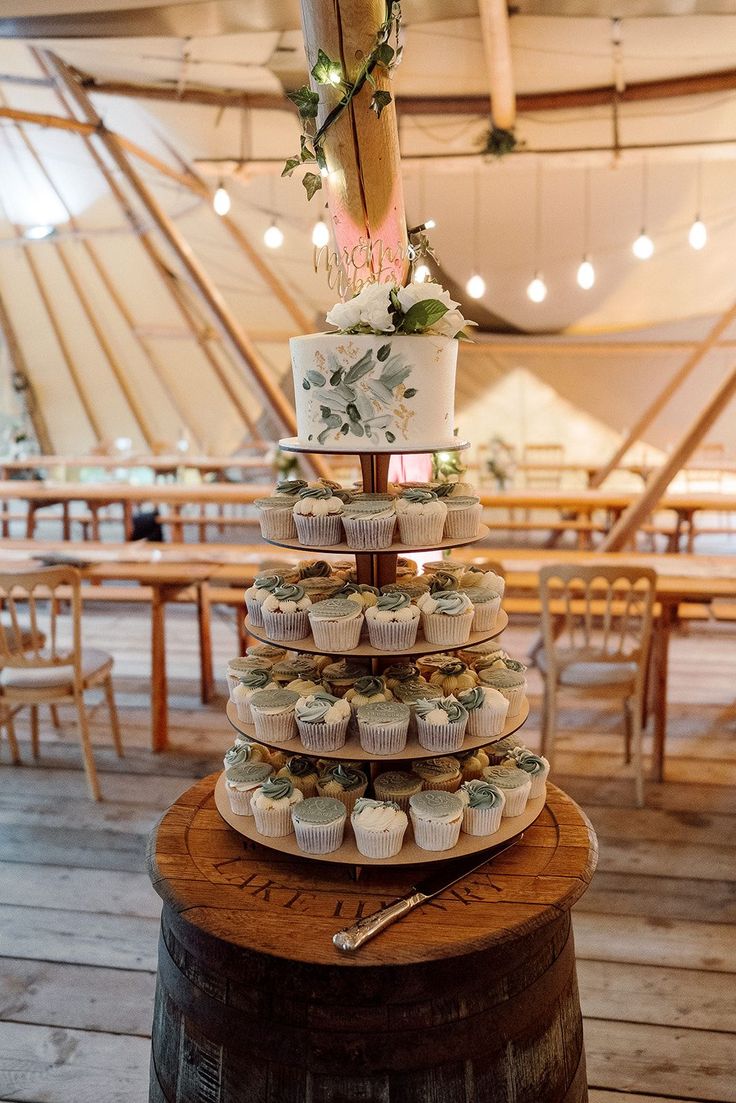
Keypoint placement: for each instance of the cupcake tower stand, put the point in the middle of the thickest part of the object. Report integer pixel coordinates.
(378, 568)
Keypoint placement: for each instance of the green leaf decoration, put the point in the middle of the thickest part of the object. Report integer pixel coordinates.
(322, 437)
(394, 378)
(345, 429)
(289, 166)
(306, 152)
(379, 101)
(390, 437)
(333, 421)
(380, 392)
(306, 100)
(385, 54)
(325, 411)
(395, 303)
(312, 183)
(423, 315)
(357, 429)
(360, 368)
(325, 69)
(499, 142)
(336, 378)
(352, 412)
(306, 385)
(383, 353)
(410, 392)
(316, 378)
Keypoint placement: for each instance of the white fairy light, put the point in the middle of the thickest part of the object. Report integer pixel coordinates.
(221, 201)
(643, 247)
(586, 274)
(320, 234)
(537, 289)
(273, 237)
(476, 286)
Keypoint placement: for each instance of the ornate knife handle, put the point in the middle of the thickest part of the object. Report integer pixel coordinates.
(351, 938)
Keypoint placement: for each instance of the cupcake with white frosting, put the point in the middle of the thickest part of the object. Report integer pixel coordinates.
(336, 624)
(487, 710)
(322, 721)
(273, 714)
(393, 622)
(379, 827)
(446, 617)
(248, 683)
(272, 806)
(516, 785)
(441, 724)
(535, 765)
(285, 613)
(436, 817)
(483, 807)
(421, 516)
(242, 781)
(255, 595)
(318, 517)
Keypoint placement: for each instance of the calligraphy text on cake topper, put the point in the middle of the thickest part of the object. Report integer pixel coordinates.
(350, 269)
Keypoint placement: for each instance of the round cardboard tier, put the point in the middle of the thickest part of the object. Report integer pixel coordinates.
(393, 549)
(365, 650)
(293, 444)
(351, 751)
(409, 855)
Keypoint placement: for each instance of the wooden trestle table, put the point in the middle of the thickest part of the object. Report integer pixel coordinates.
(473, 996)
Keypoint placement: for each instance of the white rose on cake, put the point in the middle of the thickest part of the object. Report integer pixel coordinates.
(371, 308)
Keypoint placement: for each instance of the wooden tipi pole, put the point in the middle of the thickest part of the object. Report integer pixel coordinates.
(20, 369)
(494, 26)
(655, 408)
(243, 347)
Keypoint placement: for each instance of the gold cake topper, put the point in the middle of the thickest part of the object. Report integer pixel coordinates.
(348, 270)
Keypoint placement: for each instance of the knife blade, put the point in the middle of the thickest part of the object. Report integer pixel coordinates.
(352, 938)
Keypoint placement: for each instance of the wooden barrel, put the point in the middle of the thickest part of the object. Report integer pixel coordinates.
(473, 998)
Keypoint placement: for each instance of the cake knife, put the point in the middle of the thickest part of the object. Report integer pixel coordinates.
(352, 938)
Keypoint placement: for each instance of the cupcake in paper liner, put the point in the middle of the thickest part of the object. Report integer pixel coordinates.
(441, 724)
(240, 754)
(242, 781)
(383, 727)
(499, 751)
(272, 806)
(536, 766)
(472, 763)
(453, 677)
(401, 674)
(265, 651)
(439, 773)
(344, 782)
(336, 624)
(255, 595)
(319, 824)
(285, 613)
(241, 665)
(318, 517)
(447, 617)
(276, 518)
(411, 692)
(302, 773)
(487, 710)
(397, 786)
(463, 517)
(369, 525)
(436, 817)
(446, 564)
(421, 517)
(393, 622)
(273, 714)
(367, 691)
(483, 807)
(379, 827)
(511, 683)
(248, 683)
(515, 783)
(322, 721)
(301, 665)
(476, 578)
(342, 675)
(486, 607)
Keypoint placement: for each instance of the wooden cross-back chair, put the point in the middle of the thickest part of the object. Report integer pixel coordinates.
(597, 628)
(44, 607)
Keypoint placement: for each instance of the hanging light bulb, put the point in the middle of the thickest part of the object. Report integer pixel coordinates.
(586, 274)
(320, 234)
(421, 273)
(643, 247)
(221, 201)
(476, 287)
(273, 237)
(537, 289)
(698, 235)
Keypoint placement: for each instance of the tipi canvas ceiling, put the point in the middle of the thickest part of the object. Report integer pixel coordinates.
(620, 341)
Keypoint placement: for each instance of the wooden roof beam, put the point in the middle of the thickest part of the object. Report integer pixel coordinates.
(19, 365)
(494, 27)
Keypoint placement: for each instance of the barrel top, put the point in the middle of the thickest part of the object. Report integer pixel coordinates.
(244, 894)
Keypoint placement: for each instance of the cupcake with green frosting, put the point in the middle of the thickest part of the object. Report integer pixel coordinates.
(401, 674)
(295, 666)
(511, 683)
(272, 806)
(484, 804)
(288, 488)
(342, 675)
(486, 709)
(463, 517)
(447, 617)
(439, 773)
(240, 754)
(242, 781)
(276, 518)
(411, 692)
(265, 651)
(241, 665)
(369, 525)
(436, 818)
(397, 786)
(392, 622)
(273, 714)
(302, 773)
(248, 683)
(322, 721)
(317, 516)
(313, 568)
(515, 783)
(383, 727)
(421, 516)
(535, 765)
(336, 624)
(441, 724)
(368, 691)
(255, 595)
(501, 749)
(319, 824)
(285, 613)
(344, 782)
(379, 827)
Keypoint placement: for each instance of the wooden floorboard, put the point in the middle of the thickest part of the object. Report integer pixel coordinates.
(655, 933)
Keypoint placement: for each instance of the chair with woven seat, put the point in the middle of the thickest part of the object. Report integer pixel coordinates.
(52, 668)
(596, 629)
